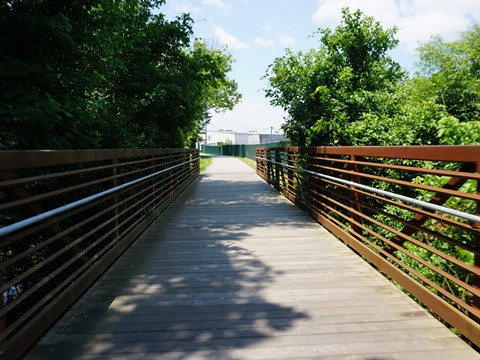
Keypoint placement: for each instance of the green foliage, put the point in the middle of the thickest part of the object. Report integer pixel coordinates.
(349, 92)
(205, 162)
(104, 73)
(413, 123)
(452, 132)
(452, 72)
(250, 162)
(348, 78)
(226, 142)
(455, 234)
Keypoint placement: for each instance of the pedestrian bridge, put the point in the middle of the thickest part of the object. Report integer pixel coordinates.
(231, 269)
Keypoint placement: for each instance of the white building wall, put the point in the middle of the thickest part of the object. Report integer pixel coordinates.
(214, 137)
(241, 139)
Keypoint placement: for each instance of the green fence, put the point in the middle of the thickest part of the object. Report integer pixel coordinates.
(246, 151)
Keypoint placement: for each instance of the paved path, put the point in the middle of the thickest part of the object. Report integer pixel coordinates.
(232, 270)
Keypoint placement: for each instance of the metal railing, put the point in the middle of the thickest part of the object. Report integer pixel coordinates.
(65, 217)
(412, 212)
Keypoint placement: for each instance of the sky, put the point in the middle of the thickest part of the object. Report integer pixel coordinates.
(256, 32)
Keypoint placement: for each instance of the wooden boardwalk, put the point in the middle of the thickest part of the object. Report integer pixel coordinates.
(232, 270)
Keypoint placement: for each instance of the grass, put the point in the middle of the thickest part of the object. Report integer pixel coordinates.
(205, 161)
(249, 162)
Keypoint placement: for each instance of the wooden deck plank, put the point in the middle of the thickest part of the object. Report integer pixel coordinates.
(232, 270)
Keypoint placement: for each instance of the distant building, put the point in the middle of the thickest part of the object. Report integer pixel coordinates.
(214, 137)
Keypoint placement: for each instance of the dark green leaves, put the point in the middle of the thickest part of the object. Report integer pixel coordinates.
(350, 92)
(324, 90)
(104, 73)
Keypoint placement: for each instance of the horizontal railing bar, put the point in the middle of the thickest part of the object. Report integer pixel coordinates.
(473, 197)
(462, 153)
(451, 173)
(34, 219)
(77, 257)
(427, 247)
(406, 222)
(46, 280)
(406, 207)
(424, 204)
(24, 159)
(419, 212)
(358, 236)
(37, 198)
(56, 237)
(64, 233)
(48, 224)
(59, 175)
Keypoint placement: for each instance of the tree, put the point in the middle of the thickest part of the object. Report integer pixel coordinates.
(349, 78)
(451, 73)
(52, 60)
(104, 73)
(440, 104)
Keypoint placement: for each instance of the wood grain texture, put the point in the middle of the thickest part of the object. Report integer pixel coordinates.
(232, 270)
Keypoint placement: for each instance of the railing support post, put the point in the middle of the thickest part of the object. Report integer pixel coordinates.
(113, 202)
(476, 279)
(291, 162)
(153, 182)
(278, 167)
(356, 204)
(269, 165)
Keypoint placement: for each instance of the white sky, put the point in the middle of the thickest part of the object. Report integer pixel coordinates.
(258, 31)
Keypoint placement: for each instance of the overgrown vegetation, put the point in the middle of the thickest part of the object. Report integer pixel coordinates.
(105, 74)
(249, 162)
(205, 162)
(349, 91)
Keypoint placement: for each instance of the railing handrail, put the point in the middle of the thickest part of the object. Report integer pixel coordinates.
(462, 153)
(67, 216)
(61, 209)
(419, 227)
(392, 195)
(25, 159)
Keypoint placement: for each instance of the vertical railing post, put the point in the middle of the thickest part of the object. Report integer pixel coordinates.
(169, 175)
(269, 165)
(162, 182)
(196, 155)
(263, 155)
(278, 168)
(476, 278)
(356, 204)
(113, 202)
(3, 323)
(153, 181)
(290, 162)
(172, 173)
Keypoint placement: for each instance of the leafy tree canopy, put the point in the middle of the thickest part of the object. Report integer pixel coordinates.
(349, 76)
(450, 74)
(105, 73)
(350, 92)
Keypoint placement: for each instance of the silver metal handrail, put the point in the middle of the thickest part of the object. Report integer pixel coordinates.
(389, 194)
(48, 214)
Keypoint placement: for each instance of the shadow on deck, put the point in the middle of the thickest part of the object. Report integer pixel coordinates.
(232, 270)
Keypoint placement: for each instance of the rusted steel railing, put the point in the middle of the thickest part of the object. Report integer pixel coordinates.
(412, 212)
(65, 216)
